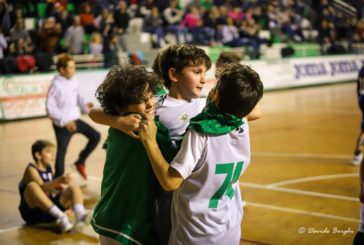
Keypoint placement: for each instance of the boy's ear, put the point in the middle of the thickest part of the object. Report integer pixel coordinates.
(172, 74)
(214, 96)
(61, 70)
(38, 155)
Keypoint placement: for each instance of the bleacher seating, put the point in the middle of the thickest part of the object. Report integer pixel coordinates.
(307, 45)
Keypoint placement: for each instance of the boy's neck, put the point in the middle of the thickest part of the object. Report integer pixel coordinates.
(178, 96)
(40, 165)
(62, 75)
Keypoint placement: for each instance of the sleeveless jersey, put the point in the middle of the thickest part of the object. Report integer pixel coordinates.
(125, 210)
(209, 200)
(45, 175)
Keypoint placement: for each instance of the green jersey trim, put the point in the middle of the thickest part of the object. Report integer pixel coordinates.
(106, 231)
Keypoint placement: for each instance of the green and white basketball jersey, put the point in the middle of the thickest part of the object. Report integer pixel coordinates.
(175, 114)
(209, 200)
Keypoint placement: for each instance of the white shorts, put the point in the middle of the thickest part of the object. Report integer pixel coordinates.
(230, 236)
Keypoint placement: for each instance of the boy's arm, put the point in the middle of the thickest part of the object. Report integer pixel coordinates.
(32, 175)
(52, 108)
(128, 124)
(85, 107)
(167, 176)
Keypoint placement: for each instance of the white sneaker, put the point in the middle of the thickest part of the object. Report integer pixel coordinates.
(87, 217)
(84, 222)
(357, 159)
(64, 224)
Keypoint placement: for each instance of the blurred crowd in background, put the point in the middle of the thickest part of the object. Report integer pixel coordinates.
(33, 32)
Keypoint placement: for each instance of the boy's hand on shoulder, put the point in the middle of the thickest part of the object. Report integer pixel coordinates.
(148, 129)
(71, 126)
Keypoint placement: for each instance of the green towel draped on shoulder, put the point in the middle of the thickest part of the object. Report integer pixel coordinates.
(211, 121)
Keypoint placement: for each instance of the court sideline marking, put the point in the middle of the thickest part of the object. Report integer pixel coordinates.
(299, 211)
(303, 155)
(313, 178)
(272, 187)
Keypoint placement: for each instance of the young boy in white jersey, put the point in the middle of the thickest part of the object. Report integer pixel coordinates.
(207, 205)
(40, 201)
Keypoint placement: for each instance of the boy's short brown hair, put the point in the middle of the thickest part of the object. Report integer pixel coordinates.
(228, 57)
(178, 56)
(39, 145)
(62, 61)
(239, 88)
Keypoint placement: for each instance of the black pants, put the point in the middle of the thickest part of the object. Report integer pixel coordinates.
(63, 139)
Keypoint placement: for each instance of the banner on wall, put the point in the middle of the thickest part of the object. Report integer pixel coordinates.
(326, 69)
(288, 73)
(23, 96)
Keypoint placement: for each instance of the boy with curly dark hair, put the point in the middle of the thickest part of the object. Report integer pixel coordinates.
(125, 211)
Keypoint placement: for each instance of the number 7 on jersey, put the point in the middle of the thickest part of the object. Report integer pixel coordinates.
(232, 175)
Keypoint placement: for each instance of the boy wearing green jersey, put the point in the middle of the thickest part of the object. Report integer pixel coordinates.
(124, 212)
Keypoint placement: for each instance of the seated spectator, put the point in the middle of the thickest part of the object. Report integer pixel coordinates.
(173, 17)
(22, 52)
(87, 18)
(213, 23)
(18, 30)
(4, 67)
(110, 51)
(236, 14)
(121, 24)
(194, 22)
(104, 22)
(230, 34)
(96, 43)
(15, 14)
(44, 199)
(153, 24)
(358, 35)
(56, 11)
(249, 32)
(3, 43)
(74, 36)
(5, 20)
(327, 33)
(66, 20)
(49, 35)
(146, 7)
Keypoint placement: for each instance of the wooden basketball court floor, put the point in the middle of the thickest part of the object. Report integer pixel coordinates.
(299, 188)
